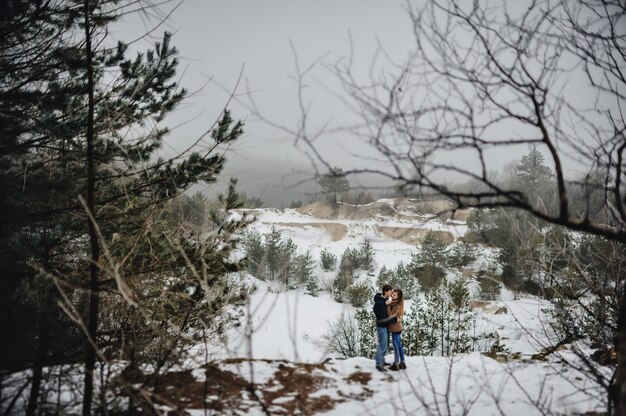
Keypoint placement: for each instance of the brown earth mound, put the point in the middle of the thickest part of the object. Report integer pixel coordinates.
(413, 235)
(434, 207)
(403, 208)
(328, 211)
(337, 231)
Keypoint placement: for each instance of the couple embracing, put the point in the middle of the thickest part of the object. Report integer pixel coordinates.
(389, 308)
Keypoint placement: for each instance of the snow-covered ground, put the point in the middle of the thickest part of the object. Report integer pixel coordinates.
(279, 348)
(469, 384)
(286, 326)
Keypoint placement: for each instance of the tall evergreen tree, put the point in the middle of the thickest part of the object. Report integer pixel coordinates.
(273, 250)
(34, 185)
(333, 183)
(532, 169)
(80, 118)
(533, 177)
(305, 266)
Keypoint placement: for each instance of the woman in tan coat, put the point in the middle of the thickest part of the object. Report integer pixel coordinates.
(396, 308)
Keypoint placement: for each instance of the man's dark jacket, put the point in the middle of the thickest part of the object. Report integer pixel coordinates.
(380, 310)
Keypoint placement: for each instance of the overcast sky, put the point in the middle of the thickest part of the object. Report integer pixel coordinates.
(253, 41)
(218, 40)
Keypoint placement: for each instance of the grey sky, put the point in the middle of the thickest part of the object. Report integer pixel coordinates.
(216, 39)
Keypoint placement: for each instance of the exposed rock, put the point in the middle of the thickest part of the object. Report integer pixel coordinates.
(413, 235)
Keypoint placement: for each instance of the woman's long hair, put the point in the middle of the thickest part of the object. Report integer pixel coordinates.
(400, 302)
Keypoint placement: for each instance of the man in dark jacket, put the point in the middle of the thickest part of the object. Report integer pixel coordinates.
(382, 320)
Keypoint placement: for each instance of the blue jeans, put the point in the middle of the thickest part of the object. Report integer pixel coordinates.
(398, 352)
(381, 350)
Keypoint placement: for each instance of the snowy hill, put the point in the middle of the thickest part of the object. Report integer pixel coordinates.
(393, 227)
(287, 325)
(274, 363)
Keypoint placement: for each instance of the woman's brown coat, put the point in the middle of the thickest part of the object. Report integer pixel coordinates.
(396, 309)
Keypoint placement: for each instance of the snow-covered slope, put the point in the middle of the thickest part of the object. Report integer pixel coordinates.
(287, 325)
(274, 364)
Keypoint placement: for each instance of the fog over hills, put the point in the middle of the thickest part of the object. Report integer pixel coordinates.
(279, 181)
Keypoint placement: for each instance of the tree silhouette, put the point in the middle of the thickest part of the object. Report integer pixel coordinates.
(334, 182)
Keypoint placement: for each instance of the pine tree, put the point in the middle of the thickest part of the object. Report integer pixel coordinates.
(86, 120)
(289, 263)
(349, 262)
(401, 278)
(385, 276)
(255, 253)
(366, 326)
(431, 252)
(340, 285)
(532, 170)
(417, 337)
(273, 250)
(448, 318)
(462, 318)
(312, 285)
(328, 260)
(461, 255)
(305, 267)
(333, 183)
(489, 285)
(359, 294)
(366, 256)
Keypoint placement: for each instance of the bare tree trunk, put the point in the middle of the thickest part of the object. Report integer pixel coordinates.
(617, 393)
(90, 352)
(42, 344)
(39, 360)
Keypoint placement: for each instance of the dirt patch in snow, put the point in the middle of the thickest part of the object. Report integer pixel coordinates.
(337, 231)
(359, 377)
(413, 235)
(293, 389)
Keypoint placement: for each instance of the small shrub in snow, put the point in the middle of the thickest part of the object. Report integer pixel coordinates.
(461, 255)
(340, 285)
(428, 276)
(328, 260)
(312, 285)
(351, 335)
(359, 294)
(342, 337)
(489, 285)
